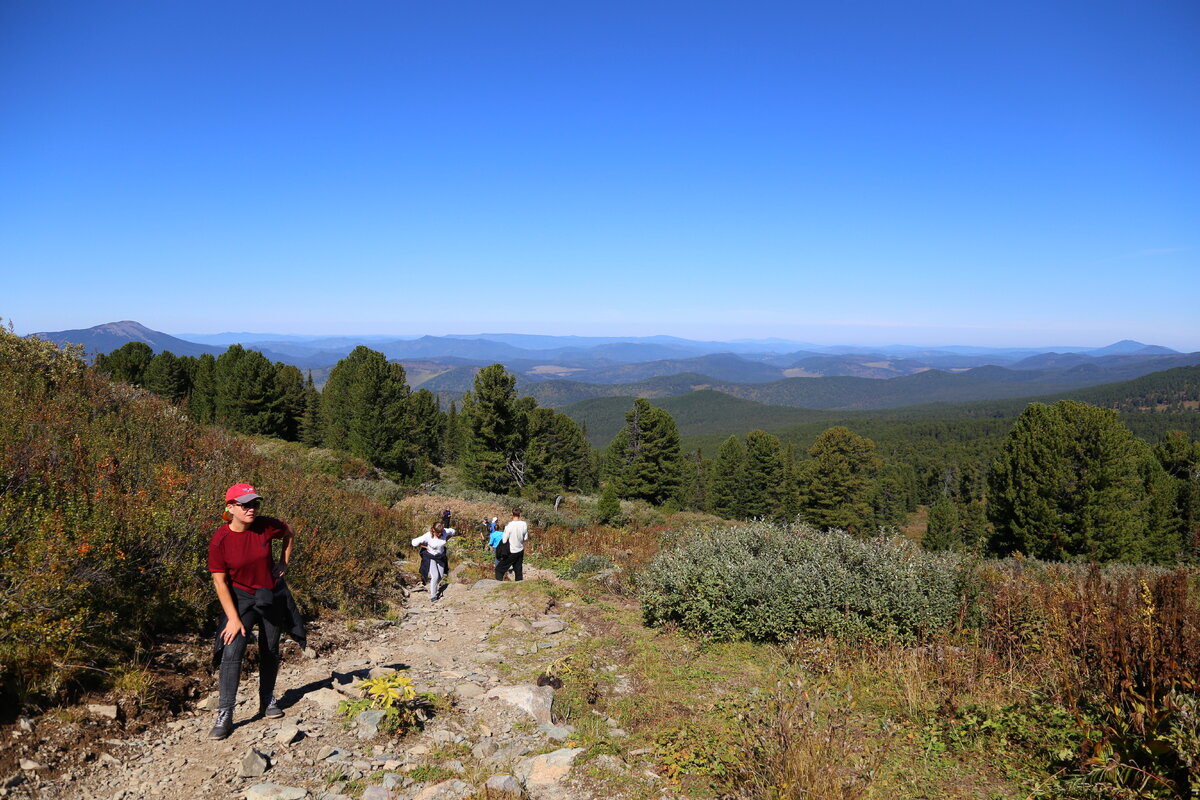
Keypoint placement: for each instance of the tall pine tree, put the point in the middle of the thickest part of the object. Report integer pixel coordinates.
(645, 456)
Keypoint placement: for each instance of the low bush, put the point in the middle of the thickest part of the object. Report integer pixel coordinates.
(766, 582)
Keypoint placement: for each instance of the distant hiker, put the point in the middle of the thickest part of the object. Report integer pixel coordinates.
(495, 534)
(251, 590)
(516, 534)
(433, 549)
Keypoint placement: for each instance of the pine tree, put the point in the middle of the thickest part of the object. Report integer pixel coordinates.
(727, 481)
(288, 412)
(764, 476)
(202, 402)
(1180, 459)
(494, 427)
(836, 482)
(426, 424)
(1071, 482)
(311, 432)
(166, 376)
(452, 436)
(609, 507)
(365, 407)
(645, 455)
(789, 502)
(943, 532)
(127, 363)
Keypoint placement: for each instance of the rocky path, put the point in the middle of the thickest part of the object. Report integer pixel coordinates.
(477, 647)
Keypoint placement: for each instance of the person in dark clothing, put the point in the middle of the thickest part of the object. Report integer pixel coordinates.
(250, 587)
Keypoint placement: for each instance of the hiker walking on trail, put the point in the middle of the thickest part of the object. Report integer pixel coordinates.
(433, 551)
(510, 553)
(424, 570)
(251, 590)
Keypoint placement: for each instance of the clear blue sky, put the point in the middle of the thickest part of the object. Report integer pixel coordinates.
(901, 172)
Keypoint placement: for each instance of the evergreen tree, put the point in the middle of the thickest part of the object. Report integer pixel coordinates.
(311, 427)
(452, 436)
(288, 411)
(1180, 459)
(248, 399)
(789, 501)
(426, 424)
(365, 411)
(1070, 482)
(975, 531)
(764, 475)
(943, 532)
(646, 456)
(494, 428)
(836, 481)
(609, 507)
(890, 495)
(557, 457)
(202, 402)
(127, 363)
(727, 482)
(695, 481)
(166, 376)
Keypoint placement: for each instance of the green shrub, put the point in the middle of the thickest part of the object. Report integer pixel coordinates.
(766, 582)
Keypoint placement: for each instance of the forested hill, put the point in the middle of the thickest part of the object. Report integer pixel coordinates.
(706, 416)
(848, 393)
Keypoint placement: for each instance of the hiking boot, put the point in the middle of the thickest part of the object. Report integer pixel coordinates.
(224, 725)
(270, 709)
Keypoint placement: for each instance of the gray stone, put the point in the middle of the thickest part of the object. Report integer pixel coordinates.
(485, 583)
(533, 700)
(327, 752)
(377, 793)
(446, 790)
(101, 710)
(366, 724)
(557, 732)
(468, 691)
(273, 791)
(484, 750)
(455, 766)
(29, 765)
(325, 699)
(550, 626)
(516, 624)
(504, 784)
(288, 734)
(253, 764)
(309, 652)
(393, 781)
(25, 724)
(609, 763)
(547, 769)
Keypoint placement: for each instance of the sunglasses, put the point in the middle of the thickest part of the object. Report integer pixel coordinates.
(253, 505)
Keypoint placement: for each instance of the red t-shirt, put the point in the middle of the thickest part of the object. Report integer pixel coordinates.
(246, 556)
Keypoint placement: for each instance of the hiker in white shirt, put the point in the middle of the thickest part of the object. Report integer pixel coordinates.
(516, 534)
(433, 543)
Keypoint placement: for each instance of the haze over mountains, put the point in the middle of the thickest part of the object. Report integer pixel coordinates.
(560, 370)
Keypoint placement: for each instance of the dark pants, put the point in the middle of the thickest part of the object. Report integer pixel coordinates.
(270, 623)
(515, 562)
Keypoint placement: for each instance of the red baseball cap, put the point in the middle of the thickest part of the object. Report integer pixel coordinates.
(241, 493)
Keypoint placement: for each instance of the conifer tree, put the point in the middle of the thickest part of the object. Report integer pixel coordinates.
(494, 428)
(288, 410)
(1180, 459)
(426, 424)
(311, 432)
(789, 501)
(127, 363)
(836, 481)
(609, 507)
(202, 402)
(727, 481)
(645, 455)
(1071, 482)
(943, 532)
(452, 436)
(166, 376)
(764, 476)
(365, 408)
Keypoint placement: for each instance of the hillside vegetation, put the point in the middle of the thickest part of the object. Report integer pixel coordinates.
(108, 497)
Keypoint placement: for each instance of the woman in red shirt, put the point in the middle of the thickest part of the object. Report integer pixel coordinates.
(249, 586)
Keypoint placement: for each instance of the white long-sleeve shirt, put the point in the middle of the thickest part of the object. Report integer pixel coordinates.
(435, 545)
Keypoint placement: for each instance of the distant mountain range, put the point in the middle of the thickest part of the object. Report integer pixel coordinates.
(561, 370)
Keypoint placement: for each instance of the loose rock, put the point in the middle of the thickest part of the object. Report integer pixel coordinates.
(253, 764)
(273, 791)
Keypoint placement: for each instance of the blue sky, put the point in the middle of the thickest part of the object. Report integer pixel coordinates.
(1020, 173)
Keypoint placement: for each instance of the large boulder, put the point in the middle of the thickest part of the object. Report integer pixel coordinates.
(533, 700)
